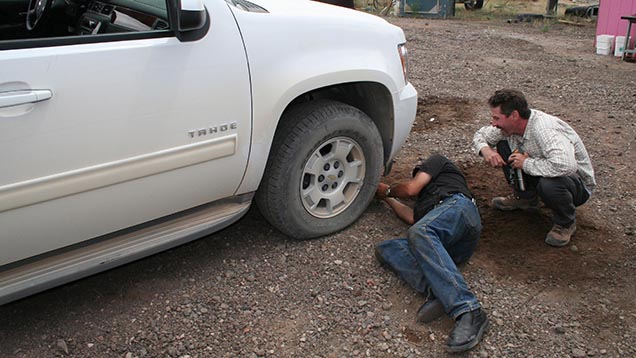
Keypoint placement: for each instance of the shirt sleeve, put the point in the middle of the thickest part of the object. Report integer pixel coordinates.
(432, 166)
(486, 136)
(556, 158)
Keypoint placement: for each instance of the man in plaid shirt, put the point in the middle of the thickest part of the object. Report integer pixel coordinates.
(548, 154)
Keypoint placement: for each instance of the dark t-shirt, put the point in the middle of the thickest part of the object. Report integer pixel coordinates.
(446, 180)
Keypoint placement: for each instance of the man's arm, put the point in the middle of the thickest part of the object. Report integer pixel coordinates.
(403, 211)
(483, 140)
(558, 156)
(403, 190)
(491, 157)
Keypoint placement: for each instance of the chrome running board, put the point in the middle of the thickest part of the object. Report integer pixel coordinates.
(39, 274)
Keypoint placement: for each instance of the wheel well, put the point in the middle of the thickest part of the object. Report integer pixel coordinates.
(371, 98)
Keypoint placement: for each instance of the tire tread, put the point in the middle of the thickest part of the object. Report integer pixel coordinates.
(293, 129)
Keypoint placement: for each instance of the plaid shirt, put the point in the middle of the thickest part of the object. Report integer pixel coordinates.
(553, 147)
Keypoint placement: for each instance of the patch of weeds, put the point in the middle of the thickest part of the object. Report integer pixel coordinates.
(545, 27)
(372, 6)
(492, 9)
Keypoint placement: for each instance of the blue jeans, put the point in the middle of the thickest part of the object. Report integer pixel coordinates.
(427, 258)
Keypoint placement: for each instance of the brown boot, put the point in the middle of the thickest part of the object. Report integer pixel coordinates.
(560, 236)
(514, 202)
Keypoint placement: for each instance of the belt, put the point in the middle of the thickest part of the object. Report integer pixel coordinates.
(453, 194)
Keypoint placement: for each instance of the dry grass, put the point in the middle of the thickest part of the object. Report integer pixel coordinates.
(492, 9)
(509, 9)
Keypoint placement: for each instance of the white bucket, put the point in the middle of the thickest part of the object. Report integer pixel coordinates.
(619, 46)
(604, 44)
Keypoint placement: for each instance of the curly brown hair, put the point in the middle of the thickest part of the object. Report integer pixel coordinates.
(510, 100)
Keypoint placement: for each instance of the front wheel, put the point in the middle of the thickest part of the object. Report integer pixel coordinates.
(322, 171)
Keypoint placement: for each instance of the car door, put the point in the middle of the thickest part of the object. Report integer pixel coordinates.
(100, 132)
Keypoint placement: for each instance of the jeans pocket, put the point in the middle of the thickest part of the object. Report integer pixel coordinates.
(472, 217)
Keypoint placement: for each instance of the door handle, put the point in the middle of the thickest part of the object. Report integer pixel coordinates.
(16, 98)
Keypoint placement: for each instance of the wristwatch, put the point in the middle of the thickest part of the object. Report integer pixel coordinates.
(387, 193)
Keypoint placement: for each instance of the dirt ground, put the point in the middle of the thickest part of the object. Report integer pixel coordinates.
(250, 292)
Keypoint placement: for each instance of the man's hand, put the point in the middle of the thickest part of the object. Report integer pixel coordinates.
(380, 192)
(516, 160)
(492, 157)
(404, 212)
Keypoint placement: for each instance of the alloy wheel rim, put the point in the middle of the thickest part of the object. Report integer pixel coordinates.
(332, 177)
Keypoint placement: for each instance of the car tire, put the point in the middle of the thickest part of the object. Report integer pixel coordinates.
(322, 171)
(474, 4)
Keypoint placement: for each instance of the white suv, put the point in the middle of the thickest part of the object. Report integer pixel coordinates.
(131, 126)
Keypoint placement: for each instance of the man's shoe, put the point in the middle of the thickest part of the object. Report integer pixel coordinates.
(431, 310)
(378, 256)
(560, 236)
(468, 331)
(514, 202)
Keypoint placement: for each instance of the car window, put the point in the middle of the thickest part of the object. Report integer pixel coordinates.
(72, 21)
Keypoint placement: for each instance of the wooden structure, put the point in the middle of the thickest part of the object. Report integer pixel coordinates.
(609, 17)
(613, 18)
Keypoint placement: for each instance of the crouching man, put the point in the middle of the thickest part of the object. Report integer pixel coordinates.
(444, 232)
(541, 156)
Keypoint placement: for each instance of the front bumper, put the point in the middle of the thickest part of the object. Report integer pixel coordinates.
(404, 115)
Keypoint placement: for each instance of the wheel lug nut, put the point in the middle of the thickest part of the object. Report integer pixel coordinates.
(321, 178)
(340, 174)
(325, 187)
(334, 185)
(326, 167)
(336, 165)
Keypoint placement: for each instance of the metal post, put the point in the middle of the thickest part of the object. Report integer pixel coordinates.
(551, 8)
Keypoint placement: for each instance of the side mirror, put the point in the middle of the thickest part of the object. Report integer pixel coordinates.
(191, 15)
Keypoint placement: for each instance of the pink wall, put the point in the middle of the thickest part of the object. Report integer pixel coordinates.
(609, 17)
